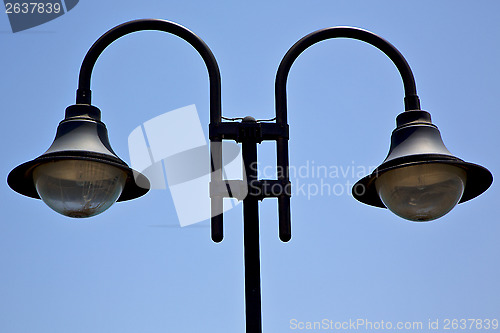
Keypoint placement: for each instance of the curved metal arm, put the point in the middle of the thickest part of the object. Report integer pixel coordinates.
(83, 95)
(411, 98)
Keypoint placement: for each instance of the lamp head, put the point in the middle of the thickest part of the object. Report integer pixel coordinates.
(420, 180)
(79, 175)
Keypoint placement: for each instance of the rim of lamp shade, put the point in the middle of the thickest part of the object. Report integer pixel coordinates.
(478, 178)
(21, 178)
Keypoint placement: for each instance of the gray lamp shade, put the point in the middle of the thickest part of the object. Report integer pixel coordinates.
(80, 136)
(416, 141)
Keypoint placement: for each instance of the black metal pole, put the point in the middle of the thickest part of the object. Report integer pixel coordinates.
(249, 151)
(251, 239)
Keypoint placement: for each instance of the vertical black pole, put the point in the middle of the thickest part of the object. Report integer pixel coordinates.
(251, 241)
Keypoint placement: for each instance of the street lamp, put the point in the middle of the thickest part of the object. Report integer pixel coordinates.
(420, 180)
(81, 176)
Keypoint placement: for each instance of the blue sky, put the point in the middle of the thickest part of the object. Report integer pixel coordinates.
(134, 269)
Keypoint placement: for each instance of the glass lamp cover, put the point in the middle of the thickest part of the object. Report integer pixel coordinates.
(421, 192)
(79, 188)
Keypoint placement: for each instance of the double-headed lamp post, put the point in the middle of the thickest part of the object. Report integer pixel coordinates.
(81, 176)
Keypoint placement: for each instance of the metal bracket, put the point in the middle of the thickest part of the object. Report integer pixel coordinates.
(240, 132)
(239, 189)
(229, 189)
